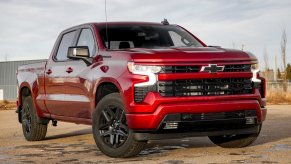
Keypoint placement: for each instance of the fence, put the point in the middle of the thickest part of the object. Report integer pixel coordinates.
(278, 86)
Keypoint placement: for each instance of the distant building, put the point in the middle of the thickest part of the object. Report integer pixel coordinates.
(8, 83)
(269, 75)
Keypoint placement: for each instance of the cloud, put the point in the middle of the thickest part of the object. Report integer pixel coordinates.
(29, 28)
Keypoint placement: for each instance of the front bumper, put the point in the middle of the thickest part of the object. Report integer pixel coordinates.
(155, 108)
(145, 136)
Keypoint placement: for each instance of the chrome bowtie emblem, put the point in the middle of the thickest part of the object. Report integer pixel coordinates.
(212, 68)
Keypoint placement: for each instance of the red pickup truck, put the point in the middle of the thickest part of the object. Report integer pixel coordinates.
(138, 81)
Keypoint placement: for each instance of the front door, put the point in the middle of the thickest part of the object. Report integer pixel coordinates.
(78, 85)
(55, 76)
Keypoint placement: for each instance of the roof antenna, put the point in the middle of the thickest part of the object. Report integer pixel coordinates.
(165, 22)
(106, 28)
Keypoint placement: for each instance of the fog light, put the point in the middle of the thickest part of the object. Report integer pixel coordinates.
(171, 125)
(250, 120)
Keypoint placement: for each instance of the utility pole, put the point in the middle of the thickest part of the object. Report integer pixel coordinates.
(6, 57)
(242, 47)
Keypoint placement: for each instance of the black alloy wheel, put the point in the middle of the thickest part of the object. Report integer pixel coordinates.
(110, 130)
(26, 119)
(113, 129)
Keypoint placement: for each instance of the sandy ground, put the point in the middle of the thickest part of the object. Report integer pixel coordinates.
(71, 143)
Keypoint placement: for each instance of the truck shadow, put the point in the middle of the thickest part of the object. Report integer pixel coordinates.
(276, 127)
(70, 134)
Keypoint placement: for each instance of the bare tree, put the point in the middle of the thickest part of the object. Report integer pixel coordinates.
(242, 47)
(266, 59)
(266, 62)
(283, 52)
(6, 57)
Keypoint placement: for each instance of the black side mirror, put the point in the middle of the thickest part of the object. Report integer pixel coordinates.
(79, 52)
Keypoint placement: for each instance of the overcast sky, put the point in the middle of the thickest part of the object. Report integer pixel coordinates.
(29, 27)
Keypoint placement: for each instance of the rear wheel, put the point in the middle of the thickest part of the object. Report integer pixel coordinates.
(235, 141)
(110, 130)
(32, 130)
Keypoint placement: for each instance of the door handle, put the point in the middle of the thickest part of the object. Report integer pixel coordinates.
(69, 70)
(49, 71)
(106, 56)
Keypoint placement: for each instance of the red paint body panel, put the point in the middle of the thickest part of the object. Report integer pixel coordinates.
(71, 95)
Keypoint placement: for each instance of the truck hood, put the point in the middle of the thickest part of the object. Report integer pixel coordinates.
(202, 54)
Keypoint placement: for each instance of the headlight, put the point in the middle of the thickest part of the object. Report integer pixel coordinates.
(255, 70)
(137, 69)
(149, 71)
(255, 66)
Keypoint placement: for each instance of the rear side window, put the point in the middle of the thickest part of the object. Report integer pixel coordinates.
(87, 39)
(66, 42)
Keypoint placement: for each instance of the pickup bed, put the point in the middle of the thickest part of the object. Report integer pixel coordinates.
(140, 81)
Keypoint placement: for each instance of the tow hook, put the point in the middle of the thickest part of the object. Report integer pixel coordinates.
(54, 122)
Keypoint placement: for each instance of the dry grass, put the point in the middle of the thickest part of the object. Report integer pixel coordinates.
(7, 105)
(278, 97)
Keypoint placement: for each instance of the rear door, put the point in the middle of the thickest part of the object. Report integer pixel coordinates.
(78, 84)
(55, 75)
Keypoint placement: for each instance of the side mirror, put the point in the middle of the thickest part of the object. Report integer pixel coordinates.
(80, 52)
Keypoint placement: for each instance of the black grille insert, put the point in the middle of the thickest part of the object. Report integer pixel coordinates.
(180, 69)
(210, 121)
(195, 69)
(202, 87)
(141, 92)
(237, 68)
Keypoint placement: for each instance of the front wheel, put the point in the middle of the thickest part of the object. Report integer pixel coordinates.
(110, 130)
(235, 140)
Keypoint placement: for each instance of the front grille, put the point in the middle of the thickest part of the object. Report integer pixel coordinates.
(141, 92)
(195, 69)
(215, 121)
(218, 115)
(203, 87)
(180, 69)
(198, 87)
(237, 68)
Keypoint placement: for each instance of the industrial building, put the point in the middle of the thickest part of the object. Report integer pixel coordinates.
(8, 82)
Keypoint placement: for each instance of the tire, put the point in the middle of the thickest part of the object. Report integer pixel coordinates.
(235, 141)
(32, 130)
(110, 130)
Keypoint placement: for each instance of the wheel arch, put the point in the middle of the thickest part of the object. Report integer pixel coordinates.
(104, 88)
(25, 91)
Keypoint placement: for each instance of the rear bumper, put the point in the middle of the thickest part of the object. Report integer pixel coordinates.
(164, 106)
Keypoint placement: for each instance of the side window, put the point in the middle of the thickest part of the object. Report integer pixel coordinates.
(66, 42)
(177, 39)
(87, 39)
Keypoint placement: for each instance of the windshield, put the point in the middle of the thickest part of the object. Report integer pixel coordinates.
(146, 36)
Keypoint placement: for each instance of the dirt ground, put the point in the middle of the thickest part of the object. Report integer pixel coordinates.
(71, 143)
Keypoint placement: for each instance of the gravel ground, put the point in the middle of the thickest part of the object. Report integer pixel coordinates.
(71, 143)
